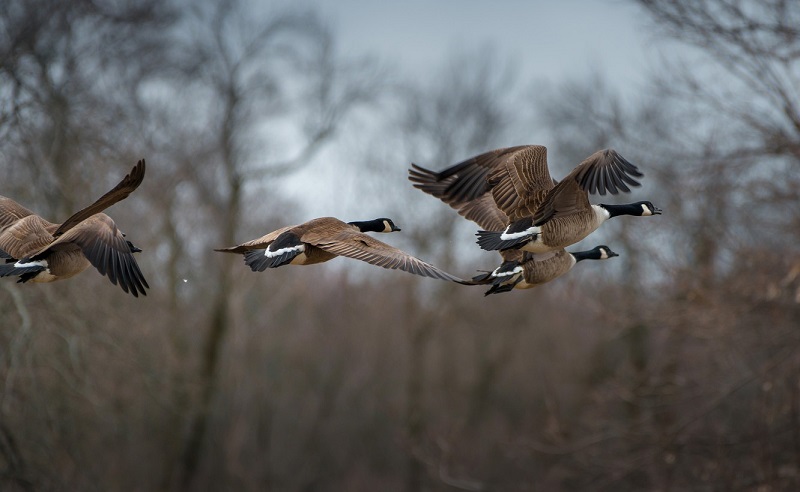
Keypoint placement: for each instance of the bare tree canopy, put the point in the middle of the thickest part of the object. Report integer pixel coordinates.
(757, 44)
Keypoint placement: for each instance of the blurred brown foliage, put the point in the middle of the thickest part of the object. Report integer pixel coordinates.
(676, 366)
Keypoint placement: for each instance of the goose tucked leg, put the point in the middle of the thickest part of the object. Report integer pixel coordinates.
(500, 288)
(503, 279)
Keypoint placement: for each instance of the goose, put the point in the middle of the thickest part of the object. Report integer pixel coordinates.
(37, 250)
(325, 238)
(542, 214)
(519, 269)
(523, 270)
(565, 224)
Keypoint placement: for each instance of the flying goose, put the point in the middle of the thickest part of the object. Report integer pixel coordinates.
(40, 251)
(523, 270)
(464, 188)
(322, 239)
(542, 214)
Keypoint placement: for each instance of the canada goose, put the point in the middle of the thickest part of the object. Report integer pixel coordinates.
(543, 215)
(40, 251)
(322, 239)
(466, 191)
(523, 270)
(566, 225)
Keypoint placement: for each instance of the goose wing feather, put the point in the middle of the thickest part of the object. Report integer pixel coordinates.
(522, 177)
(26, 236)
(106, 249)
(11, 212)
(124, 188)
(260, 243)
(490, 187)
(603, 172)
(359, 246)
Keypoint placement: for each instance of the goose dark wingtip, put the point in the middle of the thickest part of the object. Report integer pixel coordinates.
(484, 278)
(500, 287)
(125, 187)
(452, 278)
(134, 277)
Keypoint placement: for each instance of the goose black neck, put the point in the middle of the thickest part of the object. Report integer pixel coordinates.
(375, 225)
(592, 254)
(625, 209)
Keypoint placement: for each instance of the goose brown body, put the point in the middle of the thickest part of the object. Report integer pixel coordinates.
(523, 270)
(325, 238)
(538, 269)
(38, 250)
(568, 230)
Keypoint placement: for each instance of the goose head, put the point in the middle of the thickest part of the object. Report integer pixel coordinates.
(648, 208)
(382, 224)
(601, 252)
(642, 209)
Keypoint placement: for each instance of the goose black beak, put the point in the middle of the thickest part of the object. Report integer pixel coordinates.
(611, 254)
(396, 229)
(656, 211)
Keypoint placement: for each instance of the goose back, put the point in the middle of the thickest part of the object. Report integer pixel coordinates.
(324, 238)
(26, 235)
(492, 187)
(569, 229)
(522, 182)
(307, 232)
(11, 212)
(604, 171)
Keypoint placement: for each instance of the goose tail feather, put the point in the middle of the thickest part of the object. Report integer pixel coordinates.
(493, 241)
(258, 261)
(25, 273)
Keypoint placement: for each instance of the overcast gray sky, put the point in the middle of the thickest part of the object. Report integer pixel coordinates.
(549, 39)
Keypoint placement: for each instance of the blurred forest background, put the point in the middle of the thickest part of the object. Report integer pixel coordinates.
(675, 366)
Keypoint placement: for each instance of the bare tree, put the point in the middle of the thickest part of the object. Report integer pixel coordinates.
(67, 72)
(461, 111)
(54, 61)
(260, 77)
(706, 140)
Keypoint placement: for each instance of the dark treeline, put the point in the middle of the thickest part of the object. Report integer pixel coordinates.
(674, 366)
